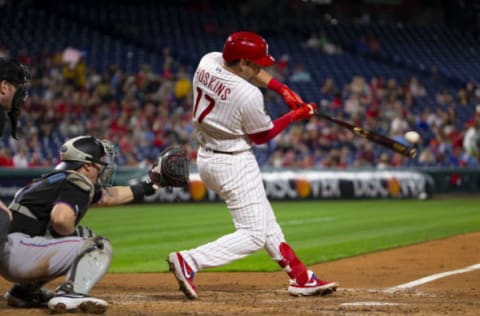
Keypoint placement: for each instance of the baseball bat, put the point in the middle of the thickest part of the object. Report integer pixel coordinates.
(387, 142)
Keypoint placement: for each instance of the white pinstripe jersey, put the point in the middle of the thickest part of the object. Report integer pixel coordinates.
(226, 107)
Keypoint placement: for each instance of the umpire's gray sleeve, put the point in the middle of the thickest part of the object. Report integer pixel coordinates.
(4, 227)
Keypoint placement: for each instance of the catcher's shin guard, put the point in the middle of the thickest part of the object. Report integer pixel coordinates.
(91, 265)
(292, 265)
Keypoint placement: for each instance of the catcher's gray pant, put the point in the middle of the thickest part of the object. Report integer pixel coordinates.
(237, 179)
(37, 260)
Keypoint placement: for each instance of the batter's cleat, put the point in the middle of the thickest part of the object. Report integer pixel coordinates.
(25, 297)
(74, 302)
(314, 286)
(183, 273)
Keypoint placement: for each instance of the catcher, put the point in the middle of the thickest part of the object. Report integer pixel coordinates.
(45, 240)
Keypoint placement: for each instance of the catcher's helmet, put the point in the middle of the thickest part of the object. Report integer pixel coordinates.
(80, 150)
(249, 46)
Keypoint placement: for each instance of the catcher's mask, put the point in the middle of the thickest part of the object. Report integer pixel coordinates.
(87, 149)
(18, 75)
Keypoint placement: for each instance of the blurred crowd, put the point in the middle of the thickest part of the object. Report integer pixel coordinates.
(145, 112)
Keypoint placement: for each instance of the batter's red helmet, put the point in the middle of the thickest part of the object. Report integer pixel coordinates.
(249, 46)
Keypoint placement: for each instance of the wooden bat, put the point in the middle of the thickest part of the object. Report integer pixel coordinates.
(387, 142)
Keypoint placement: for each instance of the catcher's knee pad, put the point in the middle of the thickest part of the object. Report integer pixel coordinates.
(90, 265)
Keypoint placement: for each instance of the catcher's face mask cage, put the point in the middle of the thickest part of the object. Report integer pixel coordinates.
(108, 170)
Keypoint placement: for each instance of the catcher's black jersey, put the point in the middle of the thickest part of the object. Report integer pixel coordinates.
(41, 196)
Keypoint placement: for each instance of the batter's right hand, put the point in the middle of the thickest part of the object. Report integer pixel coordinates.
(306, 111)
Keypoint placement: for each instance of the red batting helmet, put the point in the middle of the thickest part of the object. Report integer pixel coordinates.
(249, 46)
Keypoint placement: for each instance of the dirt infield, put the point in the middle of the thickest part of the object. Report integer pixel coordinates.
(364, 284)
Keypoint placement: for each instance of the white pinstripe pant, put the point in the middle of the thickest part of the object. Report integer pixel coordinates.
(237, 179)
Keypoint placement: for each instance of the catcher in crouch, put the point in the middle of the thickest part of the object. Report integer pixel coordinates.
(45, 240)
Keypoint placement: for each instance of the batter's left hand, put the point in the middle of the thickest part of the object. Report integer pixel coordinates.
(306, 111)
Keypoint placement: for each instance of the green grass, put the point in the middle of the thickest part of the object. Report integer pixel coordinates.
(319, 231)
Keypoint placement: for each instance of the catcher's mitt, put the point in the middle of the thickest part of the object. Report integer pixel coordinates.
(171, 169)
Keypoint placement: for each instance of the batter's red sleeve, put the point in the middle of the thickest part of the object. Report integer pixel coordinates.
(278, 125)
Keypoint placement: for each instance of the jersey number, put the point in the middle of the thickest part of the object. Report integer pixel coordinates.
(208, 109)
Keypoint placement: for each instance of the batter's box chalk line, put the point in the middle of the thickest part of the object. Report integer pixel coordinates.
(430, 278)
(370, 303)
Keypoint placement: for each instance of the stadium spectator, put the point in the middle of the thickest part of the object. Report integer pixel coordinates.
(365, 156)
(443, 97)
(328, 88)
(383, 161)
(20, 159)
(322, 43)
(399, 124)
(36, 161)
(313, 41)
(471, 140)
(427, 157)
(416, 88)
(463, 97)
(397, 160)
(300, 75)
(6, 158)
(353, 106)
(281, 67)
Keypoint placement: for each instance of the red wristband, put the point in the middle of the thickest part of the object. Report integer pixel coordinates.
(275, 85)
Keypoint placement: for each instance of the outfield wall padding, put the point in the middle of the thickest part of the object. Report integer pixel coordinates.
(297, 184)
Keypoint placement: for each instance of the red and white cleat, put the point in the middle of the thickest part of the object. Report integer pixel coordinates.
(314, 286)
(183, 273)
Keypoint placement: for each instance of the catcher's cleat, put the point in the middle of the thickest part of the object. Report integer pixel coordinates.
(74, 302)
(21, 296)
(183, 273)
(314, 286)
(67, 300)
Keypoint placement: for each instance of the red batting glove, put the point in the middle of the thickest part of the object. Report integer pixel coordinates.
(306, 111)
(291, 98)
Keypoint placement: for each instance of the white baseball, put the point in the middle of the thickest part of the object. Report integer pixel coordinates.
(412, 137)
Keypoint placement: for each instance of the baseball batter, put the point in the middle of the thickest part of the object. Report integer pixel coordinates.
(45, 240)
(229, 115)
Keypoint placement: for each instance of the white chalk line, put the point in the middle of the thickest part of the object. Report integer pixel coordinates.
(431, 278)
(412, 284)
(370, 304)
(311, 220)
(393, 289)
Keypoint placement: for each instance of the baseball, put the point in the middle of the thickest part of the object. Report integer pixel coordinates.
(412, 137)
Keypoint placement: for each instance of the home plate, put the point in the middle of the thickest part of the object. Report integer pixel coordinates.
(370, 304)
